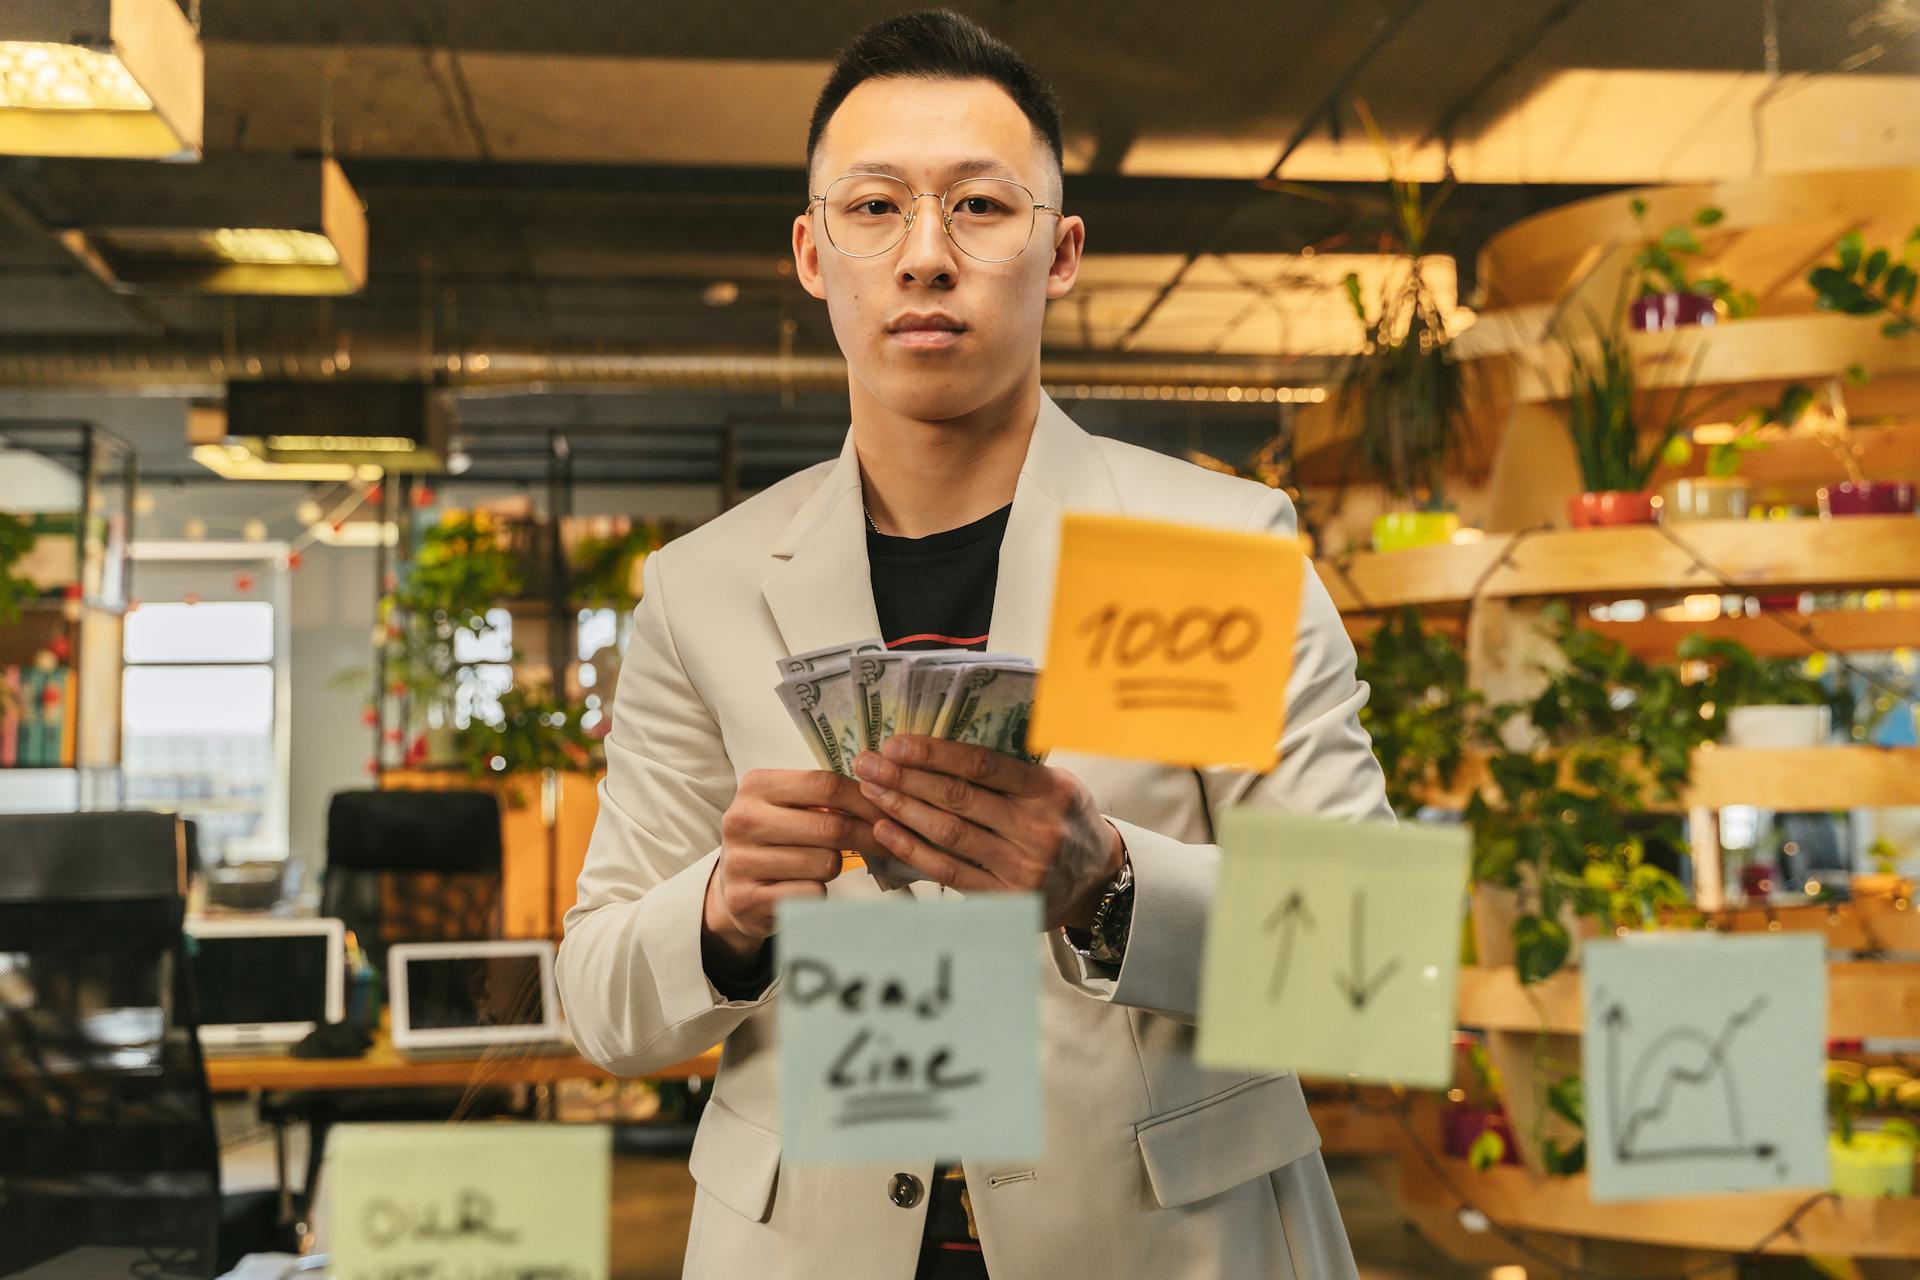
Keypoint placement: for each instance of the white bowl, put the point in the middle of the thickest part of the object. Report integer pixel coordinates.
(1779, 726)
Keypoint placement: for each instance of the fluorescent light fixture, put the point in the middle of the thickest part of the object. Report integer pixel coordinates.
(232, 224)
(358, 533)
(239, 462)
(394, 426)
(122, 79)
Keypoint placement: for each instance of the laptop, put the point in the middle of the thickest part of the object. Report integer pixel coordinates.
(462, 999)
(263, 982)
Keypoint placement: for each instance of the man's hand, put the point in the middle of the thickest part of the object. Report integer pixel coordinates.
(780, 838)
(1015, 826)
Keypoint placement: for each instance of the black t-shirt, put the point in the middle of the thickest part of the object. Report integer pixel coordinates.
(937, 592)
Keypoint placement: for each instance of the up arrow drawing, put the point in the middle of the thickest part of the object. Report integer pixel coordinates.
(1287, 918)
(1358, 991)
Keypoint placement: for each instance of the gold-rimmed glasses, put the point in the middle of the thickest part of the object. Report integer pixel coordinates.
(988, 219)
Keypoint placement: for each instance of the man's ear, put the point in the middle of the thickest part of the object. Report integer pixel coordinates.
(806, 256)
(1070, 241)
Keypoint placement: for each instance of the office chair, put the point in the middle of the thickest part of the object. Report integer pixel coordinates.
(413, 866)
(108, 1155)
(404, 866)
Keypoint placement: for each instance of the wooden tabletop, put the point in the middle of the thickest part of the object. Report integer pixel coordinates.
(382, 1067)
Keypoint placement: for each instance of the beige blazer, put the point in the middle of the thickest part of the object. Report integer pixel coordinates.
(1154, 1167)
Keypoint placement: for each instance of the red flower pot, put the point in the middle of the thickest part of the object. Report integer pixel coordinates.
(1867, 498)
(1460, 1124)
(1659, 311)
(1613, 506)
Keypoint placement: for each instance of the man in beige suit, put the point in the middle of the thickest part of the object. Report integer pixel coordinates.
(935, 235)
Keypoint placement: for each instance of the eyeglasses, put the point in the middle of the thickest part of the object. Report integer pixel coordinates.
(988, 219)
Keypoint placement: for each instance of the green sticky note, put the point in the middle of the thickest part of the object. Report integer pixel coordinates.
(1703, 1063)
(444, 1202)
(1333, 948)
(909, 1030)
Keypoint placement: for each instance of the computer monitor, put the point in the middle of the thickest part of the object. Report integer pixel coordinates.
(263, 983)
(453, 996)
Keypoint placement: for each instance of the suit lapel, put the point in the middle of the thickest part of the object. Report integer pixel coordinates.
(822, 593)
(1063, 472)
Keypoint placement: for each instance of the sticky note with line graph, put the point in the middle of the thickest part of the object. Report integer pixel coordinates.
(1169, 642)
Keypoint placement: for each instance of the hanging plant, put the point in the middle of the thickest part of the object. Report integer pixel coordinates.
(535, 731)
(437, 606)
(16, 540)
(603, 568)
(1420, 711)
(1878, 283)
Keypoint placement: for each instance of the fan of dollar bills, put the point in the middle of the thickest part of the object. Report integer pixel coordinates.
(852, 698)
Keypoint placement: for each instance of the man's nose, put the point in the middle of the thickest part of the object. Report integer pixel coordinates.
(928, 256)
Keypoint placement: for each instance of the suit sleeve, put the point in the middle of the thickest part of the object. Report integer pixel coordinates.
(1326, 767)
(630, 970)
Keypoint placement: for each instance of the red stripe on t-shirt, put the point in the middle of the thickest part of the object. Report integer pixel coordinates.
(930, 635)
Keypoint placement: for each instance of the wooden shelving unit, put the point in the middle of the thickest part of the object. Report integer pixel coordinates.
(1852, 1228)
(1865, 999)
(1764, 557)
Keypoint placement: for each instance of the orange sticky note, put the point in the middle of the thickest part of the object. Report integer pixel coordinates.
(1169, 643)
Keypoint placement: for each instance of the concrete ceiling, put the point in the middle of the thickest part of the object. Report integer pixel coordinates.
(575, 173)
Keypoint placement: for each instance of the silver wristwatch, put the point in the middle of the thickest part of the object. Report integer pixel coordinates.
(1105, 942)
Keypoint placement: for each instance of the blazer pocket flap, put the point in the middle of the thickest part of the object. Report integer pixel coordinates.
(1218, 1143)
(735, 1161)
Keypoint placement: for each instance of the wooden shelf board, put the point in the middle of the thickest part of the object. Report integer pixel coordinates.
(1811, 778)
(1837, 630)
(1865, 998)
(1783, 779)
(1865, 924)
(1850, 1227)
(1764, 557)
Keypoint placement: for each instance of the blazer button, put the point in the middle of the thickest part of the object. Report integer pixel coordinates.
(905, 1191)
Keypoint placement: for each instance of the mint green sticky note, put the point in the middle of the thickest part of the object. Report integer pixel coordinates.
(1333, 948)
(1703, 1063)
(431, 1200)
(909, 1030)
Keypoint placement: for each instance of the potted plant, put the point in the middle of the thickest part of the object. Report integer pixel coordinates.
(1721, 493)
(1474, 1126)
(1859, 282)
(432, 616)
(534, 731)
(1403, 398)
(1876, 1162)
(1420, 714)
(1604, 421)
(1666, 296)
(16, 540)
(1885, 880)
(1605, 736)
(1768, 702)
(606, 570)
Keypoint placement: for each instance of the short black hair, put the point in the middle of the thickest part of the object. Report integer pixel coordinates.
(936, 44)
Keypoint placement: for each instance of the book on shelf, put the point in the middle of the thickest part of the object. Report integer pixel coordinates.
(37, 729)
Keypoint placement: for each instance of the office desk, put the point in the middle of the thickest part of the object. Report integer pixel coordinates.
(384, 1068)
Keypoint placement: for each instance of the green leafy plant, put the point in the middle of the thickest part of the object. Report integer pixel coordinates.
(1742, 679)
(1724, 457)
(1882, 282)
(1607, 735)
(535, 731)
(1884, 856)
(602, 568)
(16, 540)
(1420, 712)
(1566, 1098)
(1403, 398)
(457, 574)
(1487, 1150)
(1661, 263)
(1605, 408)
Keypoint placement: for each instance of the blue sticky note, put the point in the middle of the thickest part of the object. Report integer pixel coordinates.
(909, 1030)
(1703, 1061)
(1333, 948)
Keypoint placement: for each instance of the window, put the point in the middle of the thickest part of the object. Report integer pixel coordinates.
(199, 720)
